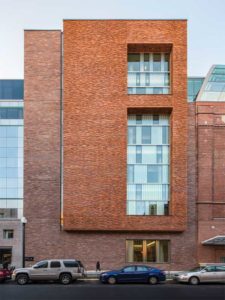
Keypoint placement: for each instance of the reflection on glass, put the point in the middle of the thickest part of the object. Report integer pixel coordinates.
(138, 250)
(133, 62)
(151, 251)
(157, 62)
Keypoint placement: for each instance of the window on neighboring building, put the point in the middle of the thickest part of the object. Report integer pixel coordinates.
(152, 251)
(8, 234)
(11, 113)
(148, 164)
(148, 73)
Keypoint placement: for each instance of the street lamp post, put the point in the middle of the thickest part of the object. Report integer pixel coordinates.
(24, 222)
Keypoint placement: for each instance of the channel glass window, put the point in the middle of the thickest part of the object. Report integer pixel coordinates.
(148, 164)
(152, 251)
(148, 73)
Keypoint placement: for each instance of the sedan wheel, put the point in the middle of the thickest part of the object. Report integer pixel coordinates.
(194, 280)
(153, 280)
(111, 280)
(22, 279)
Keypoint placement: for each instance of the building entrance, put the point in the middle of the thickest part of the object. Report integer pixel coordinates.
(5, 257)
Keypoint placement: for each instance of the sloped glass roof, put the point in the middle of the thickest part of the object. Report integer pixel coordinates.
(213, 88)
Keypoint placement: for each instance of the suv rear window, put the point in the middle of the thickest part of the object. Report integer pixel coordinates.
(70, 264)
(55, 264)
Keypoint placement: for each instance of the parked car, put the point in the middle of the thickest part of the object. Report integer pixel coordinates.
(208, 273)
(5, 274)
(64, 270)
(134, 273)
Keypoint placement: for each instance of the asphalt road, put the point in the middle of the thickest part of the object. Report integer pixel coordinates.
(95, 290)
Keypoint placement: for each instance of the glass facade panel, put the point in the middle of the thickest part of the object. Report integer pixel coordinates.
(194, 85)
(148, 165)
(214, 89)
(148, 73)
(11, 89)
(150, 251)
(11, 171)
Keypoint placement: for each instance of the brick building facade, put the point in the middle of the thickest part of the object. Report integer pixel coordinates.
(84, 193)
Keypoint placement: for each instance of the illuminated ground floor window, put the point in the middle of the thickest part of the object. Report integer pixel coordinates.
(156, 251)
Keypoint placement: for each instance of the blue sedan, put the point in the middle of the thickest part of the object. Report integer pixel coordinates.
(134, 273)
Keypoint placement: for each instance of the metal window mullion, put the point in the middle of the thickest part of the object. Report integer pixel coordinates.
(142, 62)
(144, 250)
(157, 251)
(162, 62)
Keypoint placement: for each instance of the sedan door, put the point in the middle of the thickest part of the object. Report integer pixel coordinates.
(220, 273)
(142, 273)
(208, 274)
(127, 274)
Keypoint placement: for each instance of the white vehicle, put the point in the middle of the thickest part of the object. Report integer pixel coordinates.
(64, 270)
(208, 273)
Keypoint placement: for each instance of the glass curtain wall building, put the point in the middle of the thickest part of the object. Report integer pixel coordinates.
(11, 149)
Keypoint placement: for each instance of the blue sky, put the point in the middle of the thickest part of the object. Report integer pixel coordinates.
(206, 25)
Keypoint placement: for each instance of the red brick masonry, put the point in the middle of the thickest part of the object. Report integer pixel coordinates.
(96, 104)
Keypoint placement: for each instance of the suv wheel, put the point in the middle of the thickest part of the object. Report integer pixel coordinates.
(22, 279)
(65, 278)
(111, 280)
(194, 280)
(153, 280)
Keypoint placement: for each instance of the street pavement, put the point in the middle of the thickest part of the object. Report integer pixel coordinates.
(93, 290)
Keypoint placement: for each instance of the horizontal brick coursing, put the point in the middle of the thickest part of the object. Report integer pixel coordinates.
(95, 123)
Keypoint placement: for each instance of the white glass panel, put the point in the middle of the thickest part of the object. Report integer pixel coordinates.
(138, 135)
(148, 154)
(131, 158)
(12, 203)
(165, 175)
(2, 203)
(156, 135)
(152, 192)
(131, 191)
(157, 79)
(20, 193)
(140, 174)
(131, 207)
(165, 154)
(160, 208)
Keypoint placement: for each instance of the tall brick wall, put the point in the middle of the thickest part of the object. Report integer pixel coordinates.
(42, 137)
(95, 151)
(211, 174)
(95, 122)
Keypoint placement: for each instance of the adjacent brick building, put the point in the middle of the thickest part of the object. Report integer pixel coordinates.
(112, 168)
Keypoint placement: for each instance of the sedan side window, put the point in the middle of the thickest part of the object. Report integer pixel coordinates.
(129, 269)
(142, 269)
(210, 269)
(220, 269)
